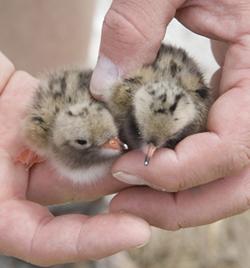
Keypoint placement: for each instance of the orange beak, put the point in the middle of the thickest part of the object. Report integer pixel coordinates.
(115, 144)
(150, 153)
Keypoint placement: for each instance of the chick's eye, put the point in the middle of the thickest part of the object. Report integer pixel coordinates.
(81, 142)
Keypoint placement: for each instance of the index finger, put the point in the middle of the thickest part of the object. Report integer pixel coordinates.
(180, 169)
(193, 207)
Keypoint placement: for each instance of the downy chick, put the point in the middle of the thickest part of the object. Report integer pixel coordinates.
(160, 104)
(68, 126)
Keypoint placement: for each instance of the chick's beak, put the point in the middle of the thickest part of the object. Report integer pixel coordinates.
(115, 144)
(149, 154)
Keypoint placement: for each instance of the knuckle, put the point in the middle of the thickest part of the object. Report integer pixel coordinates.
(178, 184)
(238, 159)
(182, 184)
(171, 182)
(122, 25)
(178, 219)
(132, 30)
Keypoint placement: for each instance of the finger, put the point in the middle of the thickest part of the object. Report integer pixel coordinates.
(47, 187)
(236, 66)
(13, 105)
(192, 163)
(208, 19)
(131, 36)
(215, 83)
(6, 70)
(13, 178)
(235, 53)
(193, 207)
(219, 50)
(71, 238)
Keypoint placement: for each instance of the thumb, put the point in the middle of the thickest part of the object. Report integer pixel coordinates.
(131, 36)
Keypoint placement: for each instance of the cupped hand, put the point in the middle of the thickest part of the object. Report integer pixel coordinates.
(27, 229)
(206, 177)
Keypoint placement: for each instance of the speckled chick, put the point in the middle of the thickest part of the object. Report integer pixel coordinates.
(161, 104)
(68, 126)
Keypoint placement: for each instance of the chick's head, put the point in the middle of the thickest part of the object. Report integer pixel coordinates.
(162, 110)
(82, 135)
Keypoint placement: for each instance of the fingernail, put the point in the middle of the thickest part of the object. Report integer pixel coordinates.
(106, 73)
(157, 188)
(129, 178)
(142, 245)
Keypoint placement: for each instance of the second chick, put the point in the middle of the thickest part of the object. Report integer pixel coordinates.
(162, 103)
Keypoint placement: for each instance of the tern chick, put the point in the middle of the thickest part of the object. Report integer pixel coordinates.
(162, 103)
(66, 125)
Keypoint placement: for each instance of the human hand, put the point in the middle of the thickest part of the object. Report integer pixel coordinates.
(27, 229)
(208, 173)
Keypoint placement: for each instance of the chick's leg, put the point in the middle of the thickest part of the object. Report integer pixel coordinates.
(28, 158)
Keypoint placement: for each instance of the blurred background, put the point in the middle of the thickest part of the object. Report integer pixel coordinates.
(42, 35)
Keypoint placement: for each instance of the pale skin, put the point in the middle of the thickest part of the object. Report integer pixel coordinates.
(27, 229)
(208, 172)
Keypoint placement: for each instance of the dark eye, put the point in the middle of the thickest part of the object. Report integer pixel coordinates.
(203, 92)
(81, 142)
